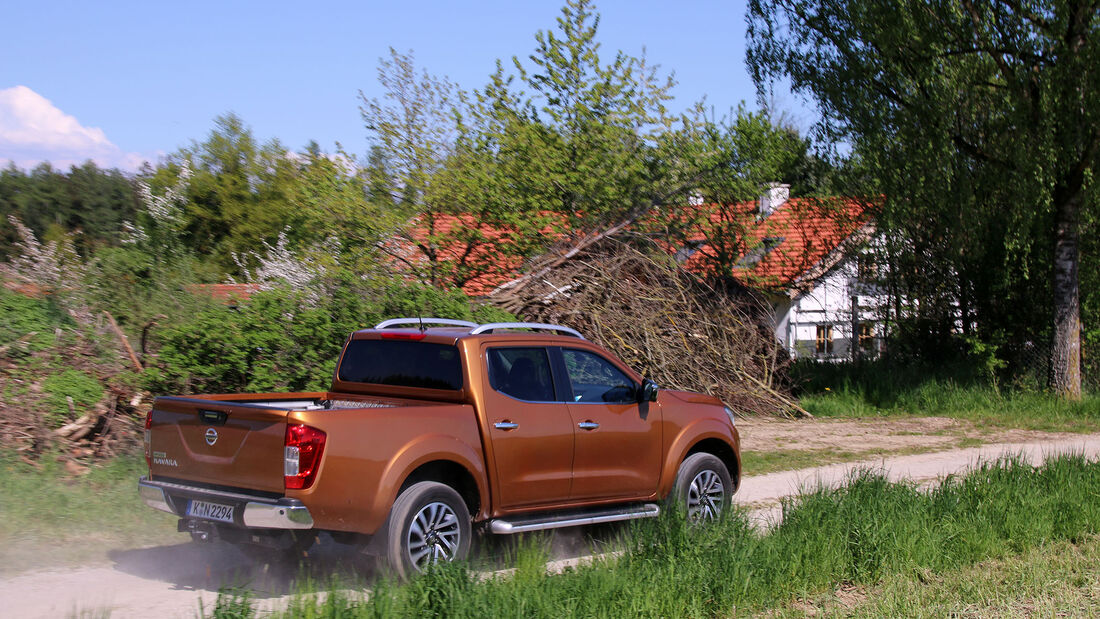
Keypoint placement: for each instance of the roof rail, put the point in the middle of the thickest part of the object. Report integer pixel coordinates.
(489, 327)
(393, 322)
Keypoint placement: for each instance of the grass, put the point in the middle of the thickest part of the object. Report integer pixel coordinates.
(1056, 579)
(868, 534)
(877, 389)
(764, 462)
(48, 518)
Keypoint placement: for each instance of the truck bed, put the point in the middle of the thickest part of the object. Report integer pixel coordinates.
(238, 439)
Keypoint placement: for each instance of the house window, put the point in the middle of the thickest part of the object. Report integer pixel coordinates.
(824, 339)
(867, 267)
(866, 337)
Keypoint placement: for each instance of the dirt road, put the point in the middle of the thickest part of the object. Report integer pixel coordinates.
(173, 580)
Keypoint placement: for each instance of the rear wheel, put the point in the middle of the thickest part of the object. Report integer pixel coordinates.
(429, 523)
(703, 488)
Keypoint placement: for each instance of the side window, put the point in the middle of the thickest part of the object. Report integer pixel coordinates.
(523, 373)
(595, 379)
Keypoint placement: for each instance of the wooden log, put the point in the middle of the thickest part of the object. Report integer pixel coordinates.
(125, 342)
(67, 430)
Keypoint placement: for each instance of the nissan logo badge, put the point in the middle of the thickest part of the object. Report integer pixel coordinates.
(211, 436)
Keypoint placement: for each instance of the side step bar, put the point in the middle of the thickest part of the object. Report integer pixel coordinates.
(539, 522)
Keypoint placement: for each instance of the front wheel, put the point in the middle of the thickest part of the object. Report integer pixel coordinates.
(429, 523)
(703, 488)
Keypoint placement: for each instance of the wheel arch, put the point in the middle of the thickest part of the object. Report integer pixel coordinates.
(452, 462)
(450, 473)
(703, 435)
(721, 450)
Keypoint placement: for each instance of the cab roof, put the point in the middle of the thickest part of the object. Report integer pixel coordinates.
(408, 328)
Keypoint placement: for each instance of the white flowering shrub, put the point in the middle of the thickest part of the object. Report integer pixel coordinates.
(51, 267)
(280, 266)
(160, 223)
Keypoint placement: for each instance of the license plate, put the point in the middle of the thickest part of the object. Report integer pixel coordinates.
(210, 511)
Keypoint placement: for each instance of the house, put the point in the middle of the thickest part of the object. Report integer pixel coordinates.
(808, 256)
(812, 258)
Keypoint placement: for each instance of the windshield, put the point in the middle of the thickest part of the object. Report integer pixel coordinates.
(402, 363)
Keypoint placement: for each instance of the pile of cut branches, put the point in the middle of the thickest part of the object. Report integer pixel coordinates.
(38, 418)
(681, 332)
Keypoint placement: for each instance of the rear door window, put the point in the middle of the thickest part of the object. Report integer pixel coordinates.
(402, 363)
(523, 373)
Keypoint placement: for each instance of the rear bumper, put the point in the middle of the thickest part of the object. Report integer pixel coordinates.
(250, 511)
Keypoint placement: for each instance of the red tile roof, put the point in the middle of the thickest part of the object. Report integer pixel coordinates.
(776, 251)
(226, 292)
(772, 252)
(467, 248)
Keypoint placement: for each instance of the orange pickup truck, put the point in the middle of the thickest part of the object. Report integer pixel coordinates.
(427, 432)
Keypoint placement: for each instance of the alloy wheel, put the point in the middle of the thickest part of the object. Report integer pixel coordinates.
(434, 535)
(705, 497)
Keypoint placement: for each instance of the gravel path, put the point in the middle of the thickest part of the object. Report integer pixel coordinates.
(172, 580)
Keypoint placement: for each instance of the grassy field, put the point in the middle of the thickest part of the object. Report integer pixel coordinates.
(872, 536)
(764, 462)
(877, 389)
(49, 518)
(1059, 579)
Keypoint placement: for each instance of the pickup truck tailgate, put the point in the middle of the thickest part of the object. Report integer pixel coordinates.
(228, 444)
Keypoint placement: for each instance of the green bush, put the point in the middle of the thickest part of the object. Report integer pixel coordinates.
(85, 391)
(283, 340)
(20, 315)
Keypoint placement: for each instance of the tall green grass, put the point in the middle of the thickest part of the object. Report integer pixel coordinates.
(1052, 580)
(881, 388)
(49, 517)
(861, 533)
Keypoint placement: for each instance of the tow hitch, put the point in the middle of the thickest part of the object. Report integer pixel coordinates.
(200, 531)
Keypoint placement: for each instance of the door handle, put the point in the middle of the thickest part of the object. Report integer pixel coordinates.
(588, 425)
(505, 425)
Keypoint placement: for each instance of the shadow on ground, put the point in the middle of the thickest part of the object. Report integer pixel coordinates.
(218, 565)
(328, 564)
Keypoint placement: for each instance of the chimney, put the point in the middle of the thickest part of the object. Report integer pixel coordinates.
(772, 198)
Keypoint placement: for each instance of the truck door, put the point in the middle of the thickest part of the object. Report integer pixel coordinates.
(529, 426)
(617, 445)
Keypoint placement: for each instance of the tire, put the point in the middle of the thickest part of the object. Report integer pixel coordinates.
(703, 490)
(429, 523)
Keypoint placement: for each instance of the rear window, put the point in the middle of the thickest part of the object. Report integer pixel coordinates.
(402, 363)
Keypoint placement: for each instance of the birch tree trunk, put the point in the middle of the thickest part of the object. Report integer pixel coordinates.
(1065, 359)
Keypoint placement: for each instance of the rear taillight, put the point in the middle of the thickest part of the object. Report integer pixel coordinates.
(148, 439)
(302, 455)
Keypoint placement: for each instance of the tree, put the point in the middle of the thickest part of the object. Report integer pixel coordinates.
(242, 194)
(458, 166)
(413, 129)
(604, 121)
(974, 118)
(569, 148)
(752, 151)
(88, 201)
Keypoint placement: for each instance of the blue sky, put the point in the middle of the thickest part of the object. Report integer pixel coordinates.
(125, 81)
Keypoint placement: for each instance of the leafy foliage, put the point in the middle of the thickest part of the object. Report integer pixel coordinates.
(973, 119)
(280, 340)
(87, 200)
(84, 390)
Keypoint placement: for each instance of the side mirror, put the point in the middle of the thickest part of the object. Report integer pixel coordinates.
(648, 391)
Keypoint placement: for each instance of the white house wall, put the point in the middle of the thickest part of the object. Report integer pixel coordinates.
(828, 303)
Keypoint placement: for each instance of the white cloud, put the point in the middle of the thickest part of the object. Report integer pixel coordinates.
(33, 130)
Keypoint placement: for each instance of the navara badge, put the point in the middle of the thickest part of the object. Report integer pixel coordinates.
(211, 436)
